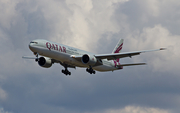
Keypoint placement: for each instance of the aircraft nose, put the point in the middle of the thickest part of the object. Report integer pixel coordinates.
(30, 45)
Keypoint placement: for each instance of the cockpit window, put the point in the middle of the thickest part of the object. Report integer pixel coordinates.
(34, 42)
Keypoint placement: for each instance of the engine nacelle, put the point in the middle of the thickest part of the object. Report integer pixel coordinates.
(45, 62)
(89, 60)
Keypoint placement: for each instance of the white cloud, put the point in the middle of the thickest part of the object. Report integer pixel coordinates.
(85, 5)
(151, 7)
(7, 13)
(154, 38)
(85, 22)
(3, 95)
(134, 109)
(3, 111)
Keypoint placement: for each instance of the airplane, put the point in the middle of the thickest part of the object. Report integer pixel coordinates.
(70, 57)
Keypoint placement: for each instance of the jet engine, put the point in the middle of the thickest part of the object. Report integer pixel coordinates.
(89, 60)
(45, 62)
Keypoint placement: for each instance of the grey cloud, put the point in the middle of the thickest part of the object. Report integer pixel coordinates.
(105, 92)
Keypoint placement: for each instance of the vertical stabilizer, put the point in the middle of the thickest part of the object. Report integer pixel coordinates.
(118, 47)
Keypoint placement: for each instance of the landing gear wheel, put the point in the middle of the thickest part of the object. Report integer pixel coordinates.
(69, 73)
(90, 70)
(36, 59)
(66, 72)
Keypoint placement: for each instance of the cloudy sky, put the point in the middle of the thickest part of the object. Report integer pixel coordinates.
(95, 26)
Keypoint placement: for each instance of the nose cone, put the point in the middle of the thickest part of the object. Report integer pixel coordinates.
(32, 45)
(35, 44)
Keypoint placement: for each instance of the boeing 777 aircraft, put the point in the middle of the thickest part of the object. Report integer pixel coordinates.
(71, 57)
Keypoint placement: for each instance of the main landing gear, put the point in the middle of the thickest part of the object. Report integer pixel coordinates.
(90, 70)
(66, 72)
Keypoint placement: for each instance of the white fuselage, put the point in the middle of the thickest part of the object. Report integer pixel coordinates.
(64, 54)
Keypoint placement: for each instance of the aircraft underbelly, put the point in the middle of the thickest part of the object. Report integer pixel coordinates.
(63, 57)
(104, 68)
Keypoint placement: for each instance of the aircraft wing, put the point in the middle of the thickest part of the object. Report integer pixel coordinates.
(123, 55)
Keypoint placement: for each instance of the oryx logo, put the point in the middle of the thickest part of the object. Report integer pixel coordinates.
(119, 48)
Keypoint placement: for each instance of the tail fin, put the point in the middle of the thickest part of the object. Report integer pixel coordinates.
(118, 48)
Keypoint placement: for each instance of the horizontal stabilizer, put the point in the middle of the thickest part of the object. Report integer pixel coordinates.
(131, 64)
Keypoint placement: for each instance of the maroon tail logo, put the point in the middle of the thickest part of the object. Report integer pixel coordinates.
(119, 48)
(116, 62)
